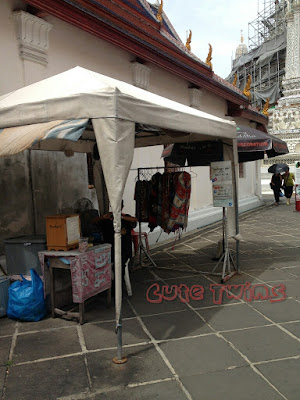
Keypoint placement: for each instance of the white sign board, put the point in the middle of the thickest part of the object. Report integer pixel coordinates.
(73, 229)
(297, 173)
(221, 176)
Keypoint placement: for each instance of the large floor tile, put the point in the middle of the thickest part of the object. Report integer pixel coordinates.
(2, 378)
(39, 345)
(7, 326)
(47, 380)
(282, 311)
(5, 344)
(102, 335)
(263, 343)
(292, 287)
(271, 275)
(98, 311)
(144, 365)
(236, 384)
(232, 317)
(200, 355)
(144, 297)
(175, 325)
(295, 271)
(284, 375)
(46, 323)
(157, 391)
(293, 327)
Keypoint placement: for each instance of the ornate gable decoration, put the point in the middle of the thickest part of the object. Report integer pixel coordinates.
(32, 35)
(195, 97)
(140, 75)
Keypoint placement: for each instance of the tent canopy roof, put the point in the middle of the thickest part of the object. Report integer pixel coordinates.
(82, 94)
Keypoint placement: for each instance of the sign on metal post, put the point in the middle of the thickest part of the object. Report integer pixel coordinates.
(297, 172)
(221, 176)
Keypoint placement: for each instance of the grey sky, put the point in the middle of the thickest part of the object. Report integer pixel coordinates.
(217, 22)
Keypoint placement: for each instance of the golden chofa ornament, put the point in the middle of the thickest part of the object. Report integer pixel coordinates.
(266, 107)
(188, 41)
(235, 80)
(246, 91)
(209, 57)
(159, 12)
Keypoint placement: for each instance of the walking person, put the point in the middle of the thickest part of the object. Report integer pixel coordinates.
(288, 185)
(275, 184)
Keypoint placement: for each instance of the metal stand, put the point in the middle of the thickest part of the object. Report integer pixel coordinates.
(119, 359)
(228, 269)
(142, 248)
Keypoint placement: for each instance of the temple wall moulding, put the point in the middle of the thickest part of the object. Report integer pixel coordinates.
(33, 37)
(285, 119)
(140, 75)
(195, 97)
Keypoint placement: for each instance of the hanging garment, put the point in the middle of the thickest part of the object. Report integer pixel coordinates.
(141, 197)
(165, 210)
(154, 201)
(181, 202)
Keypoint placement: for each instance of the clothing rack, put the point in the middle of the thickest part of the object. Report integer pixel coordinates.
(230, 267)
(145, 174)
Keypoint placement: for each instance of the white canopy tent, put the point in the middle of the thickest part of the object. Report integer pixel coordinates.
(53, 114)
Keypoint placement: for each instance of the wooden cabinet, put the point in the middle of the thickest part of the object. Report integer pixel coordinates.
(63, 231)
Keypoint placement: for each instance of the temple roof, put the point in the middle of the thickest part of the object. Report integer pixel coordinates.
(132, 25)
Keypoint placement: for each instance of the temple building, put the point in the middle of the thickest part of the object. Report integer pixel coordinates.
(273, 62)
(129, 40)
(265, 59)
(285, 117)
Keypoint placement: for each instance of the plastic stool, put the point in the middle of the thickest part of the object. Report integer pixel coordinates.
(135, 240)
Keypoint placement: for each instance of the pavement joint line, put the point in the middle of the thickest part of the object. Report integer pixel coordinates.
(81, 339)
(10, 357)
(163, 313)
(67, 327)
(159, 341)
(276, 360)
(252, 365)
(133, 385)
(93, 393)
(6, 336)
(289, 322)
(277, 324)
(243, 329)
(88, 372)
(161, 353)
(80, 353)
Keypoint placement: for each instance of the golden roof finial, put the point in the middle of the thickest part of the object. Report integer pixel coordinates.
(188, 41)
(266, 107)
(209, 57)
(246, 91)
(159, 12)
(242, 37)
(235, 80)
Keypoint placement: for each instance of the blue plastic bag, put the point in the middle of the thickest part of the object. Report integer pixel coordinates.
(26, 299)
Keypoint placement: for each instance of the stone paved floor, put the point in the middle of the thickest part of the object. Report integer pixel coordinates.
(243, 348)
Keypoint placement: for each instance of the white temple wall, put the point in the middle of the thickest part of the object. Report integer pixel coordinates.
(69, 47)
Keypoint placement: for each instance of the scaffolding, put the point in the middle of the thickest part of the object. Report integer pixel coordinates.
(265, 61)
(270, 22)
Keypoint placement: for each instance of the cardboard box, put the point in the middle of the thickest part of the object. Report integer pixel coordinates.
(63, 231)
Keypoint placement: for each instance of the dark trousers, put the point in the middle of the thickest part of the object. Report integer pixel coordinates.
(276, 191)
(288, 191)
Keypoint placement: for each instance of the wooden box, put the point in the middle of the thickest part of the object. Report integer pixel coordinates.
(63, 231)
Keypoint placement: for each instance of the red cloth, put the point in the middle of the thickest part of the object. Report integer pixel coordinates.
(181, 202)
